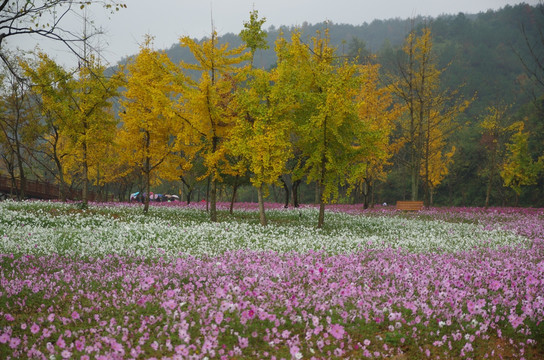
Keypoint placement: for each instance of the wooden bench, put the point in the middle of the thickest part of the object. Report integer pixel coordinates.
(409, 205)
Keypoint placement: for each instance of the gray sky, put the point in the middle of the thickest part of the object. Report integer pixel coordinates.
(167, 20)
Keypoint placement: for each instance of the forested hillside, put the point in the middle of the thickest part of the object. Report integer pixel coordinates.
(481, 51)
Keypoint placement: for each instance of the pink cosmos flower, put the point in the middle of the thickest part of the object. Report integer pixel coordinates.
(247, 314)
(35, 328)
(169, 304)
(468, 347)
(295, 352)
(75, 315)
(51, 317)
(338, 352)
(79, 345)
(117, 347)
(181, 350)
(61, 343)
(14, 342)
(66, 354)
(4, 338)
(515, 320)
(9, 317)
(218, 317)
(337, 331)
(243, 342)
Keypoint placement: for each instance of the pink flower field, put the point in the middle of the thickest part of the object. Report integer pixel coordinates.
(248, 304)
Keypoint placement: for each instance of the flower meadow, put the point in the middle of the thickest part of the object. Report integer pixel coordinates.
(109, 282)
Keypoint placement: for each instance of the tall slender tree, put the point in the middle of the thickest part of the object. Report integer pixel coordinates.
(261, 134)
(91, 124)
(50, 90)
(330, 117)
(430, 112)
(494, 129)
(374, 124)
(149, 125)
(261, 137)
(208, 104)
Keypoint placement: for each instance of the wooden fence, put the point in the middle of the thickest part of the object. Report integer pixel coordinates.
(41, 190)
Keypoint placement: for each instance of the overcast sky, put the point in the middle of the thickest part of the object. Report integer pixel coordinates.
(167, 20)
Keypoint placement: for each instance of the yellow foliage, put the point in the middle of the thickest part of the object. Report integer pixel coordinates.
(519, 169)
(207, 109)
(78, 107)
(147, 139)
(429, 112)
(376, 115)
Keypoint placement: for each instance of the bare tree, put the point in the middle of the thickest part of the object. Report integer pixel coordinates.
(44, 18)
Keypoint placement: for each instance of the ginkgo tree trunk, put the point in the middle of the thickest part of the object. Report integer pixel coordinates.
(146, 139)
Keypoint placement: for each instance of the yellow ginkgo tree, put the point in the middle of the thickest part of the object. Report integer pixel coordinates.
(48, 81)
(326, 90)
(342, 118)
(207, 107)
(147, 140)
(76, 109)
(429, 111)
(92, 123)
(437, 161)
(261, 137)
(372, 147)
(261, 133)
(496, 129)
